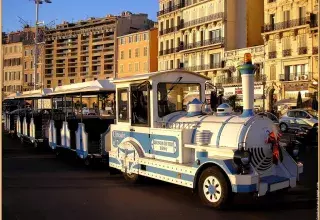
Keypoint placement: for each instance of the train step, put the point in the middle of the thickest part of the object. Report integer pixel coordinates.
(273, 183)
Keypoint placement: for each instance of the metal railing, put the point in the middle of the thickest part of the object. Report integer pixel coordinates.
(216, 16)
(296, 76)
(204, 67)
(302, 50)
(218, 40)
(272, 54)
(284, 25)
(170, 9)
(286, 52)
(170, 30)
(238, 79)
(314, 50)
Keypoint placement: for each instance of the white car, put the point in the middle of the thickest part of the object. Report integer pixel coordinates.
(298, 118)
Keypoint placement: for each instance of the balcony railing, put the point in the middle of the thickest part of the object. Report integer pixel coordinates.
(216, 16)
(170, 9)
(204, 67)
(286, 52)
(272, 54)
(284, 25)
(238, 79)
(48, 75)
(302, 50)
(315, 50)
(72, 74)
(169, 30)
(218, 40)
(296, 77)
(59, 74)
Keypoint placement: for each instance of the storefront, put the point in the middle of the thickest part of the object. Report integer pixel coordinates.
(258, 95)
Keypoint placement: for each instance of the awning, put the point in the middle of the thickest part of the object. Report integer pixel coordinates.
(290, 102)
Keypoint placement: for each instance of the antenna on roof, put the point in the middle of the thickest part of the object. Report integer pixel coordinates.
(23, 22)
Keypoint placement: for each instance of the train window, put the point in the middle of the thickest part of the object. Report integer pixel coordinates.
(123, 114)
(140, 104)
(175, 97)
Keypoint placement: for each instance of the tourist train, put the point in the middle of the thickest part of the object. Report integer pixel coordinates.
(159, 131)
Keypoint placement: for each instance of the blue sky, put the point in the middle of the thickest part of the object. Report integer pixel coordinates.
(70, 10)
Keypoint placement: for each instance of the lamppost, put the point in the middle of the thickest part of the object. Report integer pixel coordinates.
(38, 2)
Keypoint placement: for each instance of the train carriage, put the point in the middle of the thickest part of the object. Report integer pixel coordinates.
(32, 123)
(161, 135)
(80, 133)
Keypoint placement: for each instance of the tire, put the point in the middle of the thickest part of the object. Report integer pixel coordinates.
(283, 127)
(131, 178)
(218, 196)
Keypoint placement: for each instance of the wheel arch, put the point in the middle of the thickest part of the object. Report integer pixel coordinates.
(203, 167)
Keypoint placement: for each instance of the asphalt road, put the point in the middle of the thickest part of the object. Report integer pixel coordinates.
(36, 185)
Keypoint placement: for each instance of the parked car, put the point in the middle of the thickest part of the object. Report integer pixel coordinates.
(298, 118)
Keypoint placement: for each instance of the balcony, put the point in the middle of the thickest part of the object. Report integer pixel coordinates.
(48, 75)
(272, 54)
(84, 73)
(204, 67)
(209, 18)
(170, 30)
(59, 74)
(237, 79)
(218, 40)
(61, 65)
(72, 74)
(315, 50)
(295, 77)
(286, 53)
(170, 9)
(302, 50)
(284, 25)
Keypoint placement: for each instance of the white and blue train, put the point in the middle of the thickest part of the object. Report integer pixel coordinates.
(162, 133)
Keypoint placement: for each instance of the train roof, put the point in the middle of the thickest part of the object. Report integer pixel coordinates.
(85, 87)
(153, 75)
(35, 93)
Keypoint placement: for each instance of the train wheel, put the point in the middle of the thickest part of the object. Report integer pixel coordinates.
(213, 188)
(131, 178)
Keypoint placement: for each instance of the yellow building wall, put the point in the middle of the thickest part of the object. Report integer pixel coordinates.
(153, 51)
(255, 19)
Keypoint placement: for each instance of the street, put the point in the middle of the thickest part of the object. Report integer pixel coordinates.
(36, 185)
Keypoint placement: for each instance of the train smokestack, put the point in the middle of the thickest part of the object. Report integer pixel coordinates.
(247, 74)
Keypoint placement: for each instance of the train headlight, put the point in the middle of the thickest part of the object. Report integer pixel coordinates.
(242, 157)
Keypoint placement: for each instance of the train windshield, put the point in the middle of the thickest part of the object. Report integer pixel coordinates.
(175, 97)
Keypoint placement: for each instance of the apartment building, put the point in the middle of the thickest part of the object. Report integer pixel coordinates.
(12, 67)
(86, 50)
(194, 34)
(137, 53)
(290, 34)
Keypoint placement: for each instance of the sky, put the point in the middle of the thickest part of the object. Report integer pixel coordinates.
(70, 10)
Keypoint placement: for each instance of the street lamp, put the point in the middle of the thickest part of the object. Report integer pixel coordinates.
(37, 2)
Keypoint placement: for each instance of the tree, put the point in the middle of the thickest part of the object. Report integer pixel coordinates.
(299, 101)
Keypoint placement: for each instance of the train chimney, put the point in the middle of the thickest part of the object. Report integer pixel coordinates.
(247, 74)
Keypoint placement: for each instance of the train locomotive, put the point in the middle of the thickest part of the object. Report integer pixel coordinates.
(217, 155)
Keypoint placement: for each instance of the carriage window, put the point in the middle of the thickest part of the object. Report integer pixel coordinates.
(140, 104)
(175, 97)
(123, 114)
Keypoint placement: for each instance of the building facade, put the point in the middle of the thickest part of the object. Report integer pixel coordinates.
(195, 34)
(137, 53)
(86, 50)
(12, 67)
(290, 34)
